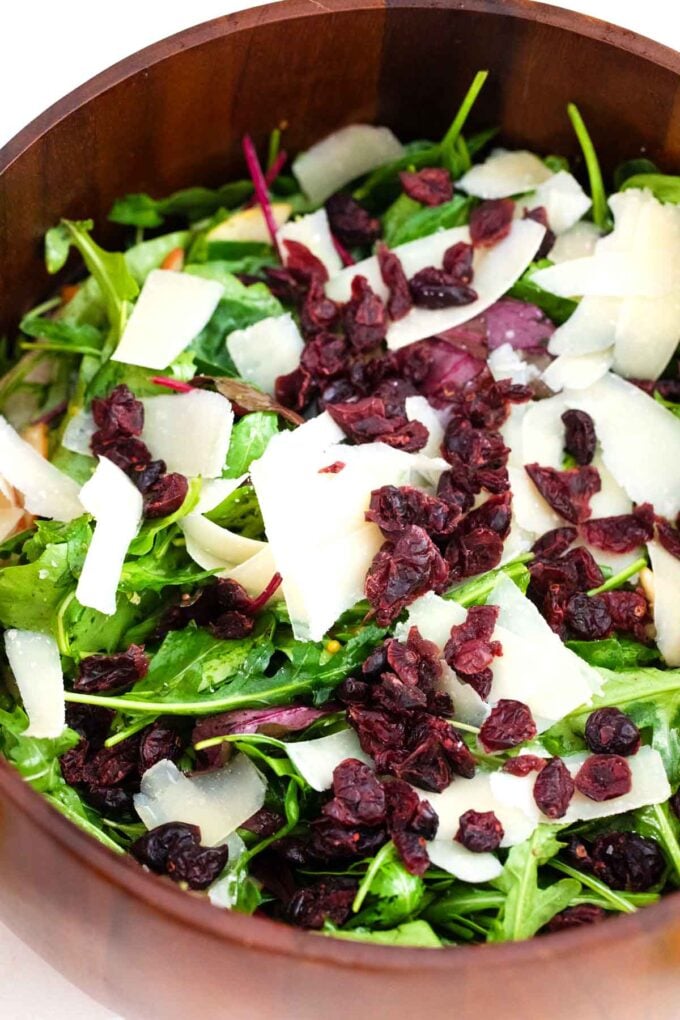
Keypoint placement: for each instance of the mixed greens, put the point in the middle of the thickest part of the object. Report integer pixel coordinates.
(340, 562)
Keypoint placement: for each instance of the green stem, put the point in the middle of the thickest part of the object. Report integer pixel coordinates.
(618, 579)
(383, 855)
(451, 137)
(228, 738)
(668, 837)
(55, 348)
(617, 901)
(127, 731)
(597, 193)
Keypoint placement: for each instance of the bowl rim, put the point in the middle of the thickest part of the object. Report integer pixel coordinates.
(121, 871)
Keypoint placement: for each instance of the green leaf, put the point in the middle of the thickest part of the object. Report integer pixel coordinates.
(30, 595)
(58, 244)
(144, 542)
(556, 308)
(63, 334)
(557, 163)
(630, 168)
(477, 590)
(527, 906)
(249, 439)
(601, 215)
(393, 895)
(617, 653)
(413, 933)
(240, 512)
(408, 224)
(662, 824)
(140, 210)
(665, 187)
(448, 144)
(382, 185)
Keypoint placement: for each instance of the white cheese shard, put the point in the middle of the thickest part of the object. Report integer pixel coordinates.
(640, 441)
(189, 431)
(217, 802)
(666, 570)
(78, 433)
(267, 349)
(504, 174)
(171, 310)
(575, 243)
(420, 409)
(47, 491)
(577, 372)
(316, 759)
(531, 512)
(249, 224)
(590, 327)
(506, 363)
(312, 230)
(255, 574)
(463, 864)
(434, 617)
(116, 505)
(343, 156)
(36, 665)
(563, 199)
(214, 491)
(496, 269)
(211, 544)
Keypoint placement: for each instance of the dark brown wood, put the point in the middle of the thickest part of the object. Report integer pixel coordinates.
(171, 116)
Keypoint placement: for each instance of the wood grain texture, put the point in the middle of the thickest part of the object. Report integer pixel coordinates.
(171, 116)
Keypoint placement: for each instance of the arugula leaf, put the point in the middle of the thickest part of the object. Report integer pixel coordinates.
(631, 167)
(407, 220)
(239, 306)
(82, 631)
(665, 187)
(76, 534)
(448, 143)
(659, 822)
(240, 512)
(601, 214)
(382, 185)
(556, 308)
(477, 590)
(617, 653)
(62, 336)
(236, 256)
(140, 210)
(413, 933)
(527, 906)
(394, 895)
(58, 244)
(31, 594)
(144, 542)
(249, 439)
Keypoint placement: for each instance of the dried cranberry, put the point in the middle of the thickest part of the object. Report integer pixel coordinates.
(457, 490)
(554, 788)
(669, 537)
(475, 553)
(577, 852)
(145, 476)
(433, 288)
(118, 415)
(518, 323)
(294, 390)
(128, 453)
(157, 743)
(576, 917)
(627, 861)
(393, 509)
(554, 543)
(303, 264)
(72, 763)
(623, 533)
(97, 673)
(604, 777)
(198, 866)
(232, 626)
(399, 302)
(358, 797)
(588, 616)
(539, 215)
(567, 492)
(402, 803)
(490, 222)
(264, 823)
(430, 186)
(154, 847)
(328, 900)
(366, 421)
(403, 570)
(350, 222)
(318, 313)
(580, 439)
(112, 766)
(510, 723)
(333, 841)
(376, 729)
(324, 356)
(352, 691)
(457, 262)
(166, 496)
(629, 611)
(675, 803)
(611, 731)
(333, 469)
(523, 764)
(412, 849)
(415, 662)
(92, 722)
(364, 317)
(110, 800)
(470, 651)
(495, 514)
(479, 831)
(425, 820)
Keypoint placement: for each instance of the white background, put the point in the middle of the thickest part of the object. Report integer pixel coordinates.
(47, 48)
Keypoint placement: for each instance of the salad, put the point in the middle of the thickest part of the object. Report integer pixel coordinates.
(340, 563)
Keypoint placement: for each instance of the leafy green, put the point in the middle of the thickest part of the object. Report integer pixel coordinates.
(407, 220)
(527, 905)
(193, 204)
(624, 171)
(63, 336)
(413, 933)
(448, 143)
(617, 653)
(30, 594)
(662, 824)
(665, 187)
(240, 512)
(556, 308)
(477, 590)
(58, 244)
(249, 439)
(598, 195)
(393, 895)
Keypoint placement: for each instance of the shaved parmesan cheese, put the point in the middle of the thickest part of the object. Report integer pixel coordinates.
(420, 409)
(47, 491)
(343, 156)
(315, 760)
(517, 542)
(647, 334)
(189, 431)
(414, 256)
(468, 706)
(479, 793)
(171, 310)
(591, 327)
(507, 363)
(531, 512)
(575, 243)
(511, 431)
(463, 864)
(255, 574)
(267, 349)
(36, 665)
(614, 274)
(217, 802)
(495, 271)
(577, 372)
(434, 617)
(220, 545)
(666, 571)
(640, 441)
(611, 500)
(543, 432)
(249, 224)
(563, 199)
(649, 786)
(78, 433)
(312, 230)
(215, 490)
(504, 174)
(116, 505)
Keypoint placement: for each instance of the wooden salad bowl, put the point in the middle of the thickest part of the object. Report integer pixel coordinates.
(171, 116)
